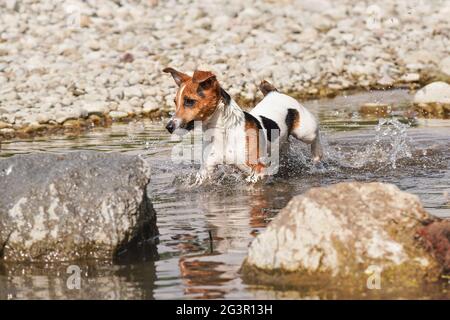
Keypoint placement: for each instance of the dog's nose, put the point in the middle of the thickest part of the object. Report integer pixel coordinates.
(170, 126)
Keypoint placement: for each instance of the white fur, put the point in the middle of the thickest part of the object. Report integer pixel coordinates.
(275, 106)
(225, 140)
(224, 137)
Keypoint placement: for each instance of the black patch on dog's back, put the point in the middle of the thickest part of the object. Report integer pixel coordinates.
(269, 125)
(291, 117)
(250, 118)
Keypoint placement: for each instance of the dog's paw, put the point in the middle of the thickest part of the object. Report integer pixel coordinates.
(253, 178)
(201, 177)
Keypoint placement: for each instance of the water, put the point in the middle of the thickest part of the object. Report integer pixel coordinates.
(206, 230)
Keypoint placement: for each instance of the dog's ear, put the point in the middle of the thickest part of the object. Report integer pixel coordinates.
(178, 76)
(205, 79)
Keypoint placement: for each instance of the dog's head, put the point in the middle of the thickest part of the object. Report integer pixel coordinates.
(196, 99)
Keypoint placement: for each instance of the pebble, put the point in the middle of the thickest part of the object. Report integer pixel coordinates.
(373, 108)
(110, 62)
(4, 125)
(117, 115)
(150, 106)
(410, 77)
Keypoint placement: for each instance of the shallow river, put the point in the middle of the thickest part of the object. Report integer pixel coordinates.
(205, 231)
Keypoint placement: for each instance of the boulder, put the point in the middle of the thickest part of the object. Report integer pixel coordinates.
(339, 235)
(436, 92)
(433, 100)
(79, 205)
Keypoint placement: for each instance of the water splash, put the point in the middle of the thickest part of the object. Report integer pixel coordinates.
(390, 144)
(382, 151)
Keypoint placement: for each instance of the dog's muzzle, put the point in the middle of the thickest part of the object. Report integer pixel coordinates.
(175, 124)
(171, 126)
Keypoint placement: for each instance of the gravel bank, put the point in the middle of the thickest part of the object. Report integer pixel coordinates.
(75, 64)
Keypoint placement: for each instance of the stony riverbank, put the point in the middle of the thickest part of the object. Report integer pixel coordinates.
(70, 65)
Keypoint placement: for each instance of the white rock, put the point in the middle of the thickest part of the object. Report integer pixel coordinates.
(95, 107)
(134, 91)
(437, 92)
(125, 106)
(150, 106)
(410, 77)
(444, 66)
(386, 80)
(117, 115)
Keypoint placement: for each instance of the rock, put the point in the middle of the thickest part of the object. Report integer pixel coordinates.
(150, 106)
(80, 205)
(127, 58)
(118, 115)
(134, 78)
(63, 116)
(116, 93)
(436, 238)
(133, 91)
(4, 125)
(7, 131)
(438, 92)
(433, 99)
(12, 5)
(337, 234)
(433, 110)
(374, 108)
(85, 21)
(96, 107)
(386, 80)
(410, 77)
(444, 66)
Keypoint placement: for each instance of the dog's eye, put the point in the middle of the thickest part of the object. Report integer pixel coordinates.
(189, 102)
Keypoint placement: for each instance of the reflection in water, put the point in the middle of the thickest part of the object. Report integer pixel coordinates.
(53, 281)
(205, 231)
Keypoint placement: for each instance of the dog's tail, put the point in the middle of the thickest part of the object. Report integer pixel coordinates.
(266, 87)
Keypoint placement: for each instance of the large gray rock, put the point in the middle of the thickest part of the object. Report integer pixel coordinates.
(79, 205)
(340, 235)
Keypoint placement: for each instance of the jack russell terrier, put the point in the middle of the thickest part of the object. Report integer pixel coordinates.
(235, 136)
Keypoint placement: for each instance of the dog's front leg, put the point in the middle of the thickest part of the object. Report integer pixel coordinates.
(207, 167)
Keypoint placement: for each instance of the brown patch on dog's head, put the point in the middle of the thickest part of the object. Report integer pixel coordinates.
(197, 96)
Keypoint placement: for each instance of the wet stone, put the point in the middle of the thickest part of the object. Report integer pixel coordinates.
(335, 234)
(80, 205)
(378, 109)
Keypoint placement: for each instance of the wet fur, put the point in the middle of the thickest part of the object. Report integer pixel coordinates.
(217, 111)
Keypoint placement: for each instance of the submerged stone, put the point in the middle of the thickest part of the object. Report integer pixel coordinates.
(379, 109)
(78, 205)
(340, 236)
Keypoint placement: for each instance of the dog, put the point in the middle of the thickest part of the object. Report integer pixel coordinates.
(235, 136)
